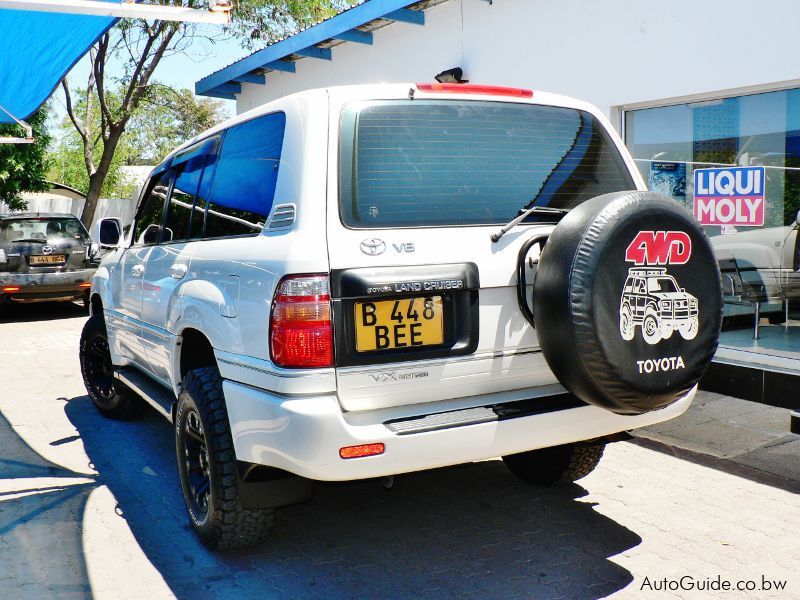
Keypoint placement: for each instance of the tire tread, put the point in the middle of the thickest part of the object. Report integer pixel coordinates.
(230, 525)
(127, 403)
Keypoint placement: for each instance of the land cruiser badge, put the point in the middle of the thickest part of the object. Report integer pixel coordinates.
(651, 297)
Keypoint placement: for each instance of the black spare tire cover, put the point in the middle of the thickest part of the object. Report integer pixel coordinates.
(627, 301)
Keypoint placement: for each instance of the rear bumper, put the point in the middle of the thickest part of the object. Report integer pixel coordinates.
(304, 435)
(35, 287)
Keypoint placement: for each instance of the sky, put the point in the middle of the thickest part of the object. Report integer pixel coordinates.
(181, 70)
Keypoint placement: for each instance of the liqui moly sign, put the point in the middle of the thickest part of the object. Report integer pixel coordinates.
(730, 196)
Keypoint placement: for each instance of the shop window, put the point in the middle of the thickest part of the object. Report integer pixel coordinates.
(758, 260)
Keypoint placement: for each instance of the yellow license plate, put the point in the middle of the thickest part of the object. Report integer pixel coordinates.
(397, 324)
(47, 260)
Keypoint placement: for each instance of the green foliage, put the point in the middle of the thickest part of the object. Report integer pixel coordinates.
(66, 158)
(127, 118)
(23, 167)
(258, 21)
(165, 119)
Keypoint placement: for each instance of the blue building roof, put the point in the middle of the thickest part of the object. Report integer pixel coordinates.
(354, 25)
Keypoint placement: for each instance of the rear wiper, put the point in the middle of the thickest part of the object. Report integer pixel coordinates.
(533, 210)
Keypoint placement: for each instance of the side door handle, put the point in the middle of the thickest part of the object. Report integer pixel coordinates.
(137, 270)
(178, 271)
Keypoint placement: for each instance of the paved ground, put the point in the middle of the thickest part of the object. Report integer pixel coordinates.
(91, 508)
(742, 432)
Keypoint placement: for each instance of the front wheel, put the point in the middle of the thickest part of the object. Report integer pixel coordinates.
(558, 464)
(110, 396)
(207, 468)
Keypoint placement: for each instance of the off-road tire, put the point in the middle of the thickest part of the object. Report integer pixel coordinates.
(559, 464)
(111, 397)
(224, 524)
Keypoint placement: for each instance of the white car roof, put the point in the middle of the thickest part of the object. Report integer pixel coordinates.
(387, 91)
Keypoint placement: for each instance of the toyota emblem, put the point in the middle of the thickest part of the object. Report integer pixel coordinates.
(373, 246)
(47, 249)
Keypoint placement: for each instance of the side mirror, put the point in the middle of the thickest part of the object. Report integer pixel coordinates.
(150, 235)
(110, 232)
(797, 219)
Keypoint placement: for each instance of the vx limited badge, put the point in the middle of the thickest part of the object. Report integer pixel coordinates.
(373, 246)
(394, 377)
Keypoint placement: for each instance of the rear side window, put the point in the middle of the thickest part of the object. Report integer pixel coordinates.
(246, 174)
(433, 163)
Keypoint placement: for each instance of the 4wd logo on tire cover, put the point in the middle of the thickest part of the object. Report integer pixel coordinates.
(652, 299)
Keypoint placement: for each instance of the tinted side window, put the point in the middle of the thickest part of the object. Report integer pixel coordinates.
(245, 178)
(197, 230)
(187, 179)
(148, 221)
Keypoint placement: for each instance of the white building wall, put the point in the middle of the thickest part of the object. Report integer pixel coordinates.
(611, 53)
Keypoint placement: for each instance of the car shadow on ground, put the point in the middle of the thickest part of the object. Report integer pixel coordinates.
(41, 550)
(40, 311)
(473, 530)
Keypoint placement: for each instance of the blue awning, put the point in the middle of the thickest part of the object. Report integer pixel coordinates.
(37, 49)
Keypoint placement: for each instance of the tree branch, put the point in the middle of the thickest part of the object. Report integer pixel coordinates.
(137, 88)
(71, 112)
(106, 119)
(140, 64)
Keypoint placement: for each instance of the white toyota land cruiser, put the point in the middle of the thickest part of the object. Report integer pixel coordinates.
(365, 281)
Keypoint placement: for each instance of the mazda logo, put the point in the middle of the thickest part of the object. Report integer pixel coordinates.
(373, 246)
(47, 249)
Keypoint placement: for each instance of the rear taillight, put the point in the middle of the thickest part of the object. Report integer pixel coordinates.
(301, 334)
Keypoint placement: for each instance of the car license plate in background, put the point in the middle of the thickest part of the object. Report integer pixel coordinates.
(52, 259)
(394, 324)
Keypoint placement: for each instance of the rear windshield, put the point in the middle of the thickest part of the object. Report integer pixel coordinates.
(42, 228)
(433, 163)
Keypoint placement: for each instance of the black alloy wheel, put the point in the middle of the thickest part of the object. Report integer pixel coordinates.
(208, 469)
(110, 396)
(99, 370)
(196, 464)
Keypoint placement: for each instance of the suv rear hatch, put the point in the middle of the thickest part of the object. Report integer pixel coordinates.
(425, 304)
(42, 244)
